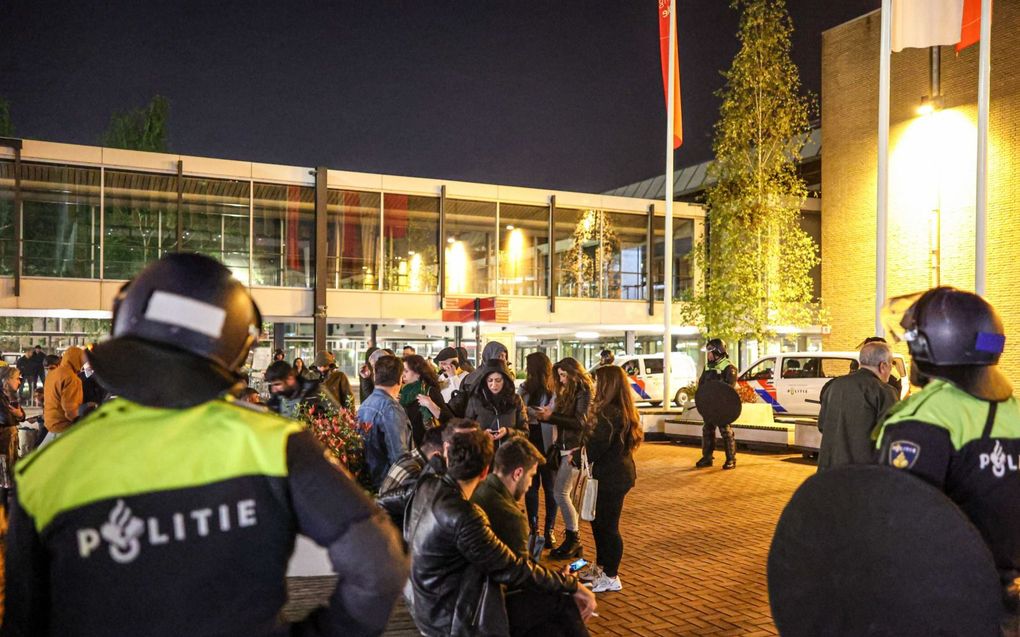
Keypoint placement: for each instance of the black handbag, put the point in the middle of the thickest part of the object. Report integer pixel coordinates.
(553, 457)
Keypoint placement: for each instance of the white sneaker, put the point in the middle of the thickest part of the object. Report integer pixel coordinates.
(606, 584)
(590, 574)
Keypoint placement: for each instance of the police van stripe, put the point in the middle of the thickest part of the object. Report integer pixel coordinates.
(236, 443)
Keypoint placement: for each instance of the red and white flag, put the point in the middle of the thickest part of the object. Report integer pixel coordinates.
(665, 15)
(925, 23)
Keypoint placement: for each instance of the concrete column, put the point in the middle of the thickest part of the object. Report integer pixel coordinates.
(628, 338)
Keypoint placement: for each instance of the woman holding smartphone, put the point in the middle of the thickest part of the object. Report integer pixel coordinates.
(421, 397)
(610, 449)
(537, 391)
(573, 399)
(495, 404)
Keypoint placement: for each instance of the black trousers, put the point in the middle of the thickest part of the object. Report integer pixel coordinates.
(606, 529)
(543, 479)
(538, 614)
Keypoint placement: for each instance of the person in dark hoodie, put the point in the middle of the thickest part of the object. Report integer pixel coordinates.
(495, 404)
(494, 351)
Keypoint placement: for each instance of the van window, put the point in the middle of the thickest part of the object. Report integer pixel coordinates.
(653, 365)
(835, 367)
(631, 368)
(800, 367)
(761, 371)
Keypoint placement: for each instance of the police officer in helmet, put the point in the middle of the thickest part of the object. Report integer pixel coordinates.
(961, 432)
(173, 509)
(718, 368)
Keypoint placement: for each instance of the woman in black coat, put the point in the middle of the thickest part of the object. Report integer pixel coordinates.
(496, 405)
(610, 451)
(421, 397)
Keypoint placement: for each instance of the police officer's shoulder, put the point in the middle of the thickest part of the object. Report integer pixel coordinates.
(942, 404)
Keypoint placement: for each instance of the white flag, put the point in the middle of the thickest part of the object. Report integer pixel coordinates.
(924, 23)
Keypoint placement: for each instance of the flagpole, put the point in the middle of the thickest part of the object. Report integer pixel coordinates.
(667, 265)
(882, 225)
(981, 205)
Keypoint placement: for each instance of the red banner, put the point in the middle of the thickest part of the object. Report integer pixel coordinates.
(665, 14)
(970, 30)
(293, 249)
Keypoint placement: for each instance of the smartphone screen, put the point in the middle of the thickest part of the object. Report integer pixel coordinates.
(578, 564)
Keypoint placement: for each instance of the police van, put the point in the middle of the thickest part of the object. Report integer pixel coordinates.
(645, 374)
(792, 383)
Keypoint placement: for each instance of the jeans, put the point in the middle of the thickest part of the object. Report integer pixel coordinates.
(544, 478)
(606, 529)
(566, 477)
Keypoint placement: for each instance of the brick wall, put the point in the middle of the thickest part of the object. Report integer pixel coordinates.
(932, 168)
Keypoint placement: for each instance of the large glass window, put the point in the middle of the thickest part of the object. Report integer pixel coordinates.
(140, 221)
(7, 246)
(624, 248)
(683, 247)
(523, 249)
(352, 240)
(61, 220)
(410, 237)
(576, 258)
(470, 247)
(215, 213)
(283, 251)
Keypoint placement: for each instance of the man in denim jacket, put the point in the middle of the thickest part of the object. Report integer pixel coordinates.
(386, 438)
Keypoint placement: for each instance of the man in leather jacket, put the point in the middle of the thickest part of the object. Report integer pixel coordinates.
(458, 566)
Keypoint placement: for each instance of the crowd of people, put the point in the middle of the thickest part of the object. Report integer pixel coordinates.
(455, 458)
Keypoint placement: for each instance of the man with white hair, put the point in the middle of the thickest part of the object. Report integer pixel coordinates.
(852, 406)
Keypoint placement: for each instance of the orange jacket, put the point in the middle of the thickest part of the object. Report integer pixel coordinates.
(62, 391)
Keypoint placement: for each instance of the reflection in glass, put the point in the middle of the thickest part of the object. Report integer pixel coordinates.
(410, 237)
(61, 220)
(284, 241)
(352, 240)
(140, 221)
(576, 240)
(524, 246)
(624, 248)
(683, 246)
(215, 213)
(7, 246)
(470, 246)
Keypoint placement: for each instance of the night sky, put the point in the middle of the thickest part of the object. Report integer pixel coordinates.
(563, 94)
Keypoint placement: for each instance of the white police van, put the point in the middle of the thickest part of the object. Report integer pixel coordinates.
(646, 376)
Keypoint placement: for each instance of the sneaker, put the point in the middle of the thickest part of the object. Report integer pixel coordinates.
(703, 463)
(590, 574)
(606, 584)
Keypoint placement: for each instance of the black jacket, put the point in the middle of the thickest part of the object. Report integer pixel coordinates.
(573, 426)
(490, 413)
(610, 454)
(490, 355)
(458, 564)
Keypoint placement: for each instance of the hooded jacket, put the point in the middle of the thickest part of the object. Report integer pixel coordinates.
(491, 352)
(63, 391)
(492, 414)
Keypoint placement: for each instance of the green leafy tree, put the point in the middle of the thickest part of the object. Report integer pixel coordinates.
(755, 258)
(134, 230)
(141, 128)
(6, 129)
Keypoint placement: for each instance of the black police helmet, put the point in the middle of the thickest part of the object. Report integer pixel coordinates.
(184, 316)
(958, 336)
(716, 346)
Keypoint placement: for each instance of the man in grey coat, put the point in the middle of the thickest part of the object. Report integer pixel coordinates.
(852, 406)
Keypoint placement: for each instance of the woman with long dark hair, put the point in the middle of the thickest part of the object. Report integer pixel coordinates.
(495, 404)
(610, 450)
(421, 397)
(11, 413)
(537, 391)
(574, 392)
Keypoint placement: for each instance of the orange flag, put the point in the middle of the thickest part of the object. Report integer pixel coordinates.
(970, 32)
(665, 15)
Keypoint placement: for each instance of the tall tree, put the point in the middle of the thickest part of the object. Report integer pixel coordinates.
(141, 128)
(6, 130)
(755, 257)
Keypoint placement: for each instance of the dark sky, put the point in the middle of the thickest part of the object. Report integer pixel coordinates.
(562, 94)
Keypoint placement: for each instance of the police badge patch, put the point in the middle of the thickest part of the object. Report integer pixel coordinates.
(903, 454)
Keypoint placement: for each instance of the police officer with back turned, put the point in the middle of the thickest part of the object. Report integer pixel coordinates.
(961, 432)
(173, 509)
(718, 368)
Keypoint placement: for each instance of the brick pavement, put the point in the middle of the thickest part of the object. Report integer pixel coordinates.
(695, 546)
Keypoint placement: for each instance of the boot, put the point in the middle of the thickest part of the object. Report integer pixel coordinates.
(550, 538)
(707, 448)
(571, 547)
(731, 451)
